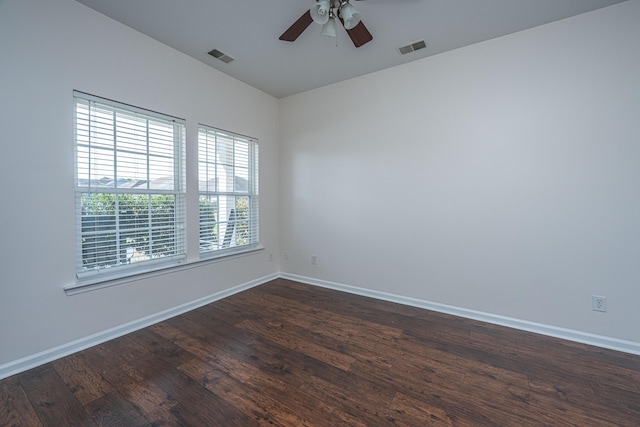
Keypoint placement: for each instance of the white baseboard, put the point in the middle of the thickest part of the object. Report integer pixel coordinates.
(553, 331)
(31, 361)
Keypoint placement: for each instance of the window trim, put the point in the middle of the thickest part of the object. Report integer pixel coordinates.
(252, 193)
(105, 282)
(90, 277)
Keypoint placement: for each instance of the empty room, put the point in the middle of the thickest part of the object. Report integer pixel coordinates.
(320, 213)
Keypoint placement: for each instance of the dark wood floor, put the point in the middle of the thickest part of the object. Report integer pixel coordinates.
(295, 355)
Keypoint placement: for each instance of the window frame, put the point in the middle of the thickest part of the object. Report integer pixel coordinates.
(176, 224)
(214, 190)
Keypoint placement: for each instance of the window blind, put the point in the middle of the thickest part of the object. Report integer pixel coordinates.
(228, 190)
(130, 188)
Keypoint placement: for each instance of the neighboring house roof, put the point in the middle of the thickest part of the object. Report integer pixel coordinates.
(240, 184)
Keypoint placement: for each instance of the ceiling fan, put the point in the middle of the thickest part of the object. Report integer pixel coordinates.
(326, 12)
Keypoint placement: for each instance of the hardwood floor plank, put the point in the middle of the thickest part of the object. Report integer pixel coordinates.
(53, 402)
(606, 358)
(132, 384)
(85, 383)
(331, 320)
(153, 402)
(103, 359)
(319, 323)
(480, 374)
(15, 408)
(187, 416)
(127, 348)
(371, 310)
(280, 336)
(157, 347)
(206, 350)
(411, 410)
(288, 365)
(624, 403)
(224, 312)
(257, 405)
(114, 410)
(370, 407)
(210, 409)
(320, 413)
(354, 345)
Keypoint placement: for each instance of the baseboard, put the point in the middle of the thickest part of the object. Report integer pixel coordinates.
(52, 354)
(31, 361)
(553, 331)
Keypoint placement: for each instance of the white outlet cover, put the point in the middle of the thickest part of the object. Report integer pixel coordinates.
(598, 303)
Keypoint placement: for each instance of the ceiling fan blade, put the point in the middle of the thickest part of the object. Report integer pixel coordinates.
(297, 28)
(360, 35)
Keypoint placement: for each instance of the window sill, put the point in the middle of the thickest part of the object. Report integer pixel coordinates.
(96, 283)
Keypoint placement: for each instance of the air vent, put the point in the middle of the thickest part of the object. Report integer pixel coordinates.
(412, 47)
(221, 56)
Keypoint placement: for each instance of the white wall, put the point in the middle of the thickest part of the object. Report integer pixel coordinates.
(502, 177)
(48, 48)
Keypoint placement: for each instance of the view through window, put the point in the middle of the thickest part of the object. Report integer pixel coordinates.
(130, 187)
(228, 188)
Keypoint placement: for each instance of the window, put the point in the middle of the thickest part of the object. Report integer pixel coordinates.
(130, 189)
(228, 182)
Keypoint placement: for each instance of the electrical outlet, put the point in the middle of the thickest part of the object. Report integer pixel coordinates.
(270, 256)
(286, 255)
(314, 259)
(598, 303)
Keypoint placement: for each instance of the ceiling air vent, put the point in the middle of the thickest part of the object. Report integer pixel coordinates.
(412, 47)
(221, 56)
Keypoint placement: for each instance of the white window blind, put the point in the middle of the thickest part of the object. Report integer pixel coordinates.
(130, 189)
(228, 189)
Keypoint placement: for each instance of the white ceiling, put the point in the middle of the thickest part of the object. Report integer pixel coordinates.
(248, 31)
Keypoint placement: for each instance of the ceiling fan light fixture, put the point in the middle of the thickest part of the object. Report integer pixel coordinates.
(321, 11)
(325, 13)
(350, 15)
(329, 29)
